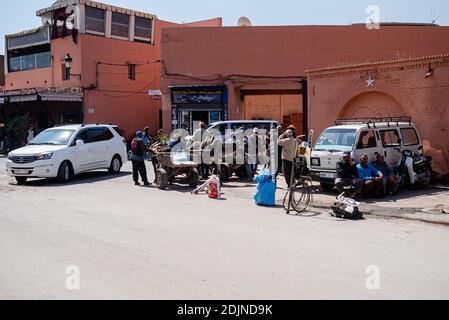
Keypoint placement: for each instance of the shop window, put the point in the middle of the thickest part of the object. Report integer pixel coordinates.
(390, 138)
(143, 29)
(120, 25)
(95, 20)
(410, 137)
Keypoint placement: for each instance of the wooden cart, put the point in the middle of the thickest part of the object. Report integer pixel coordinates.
(168, 170)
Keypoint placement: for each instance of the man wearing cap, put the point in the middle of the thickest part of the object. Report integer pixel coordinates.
(347, 175)
(288, 142)
(138, 150)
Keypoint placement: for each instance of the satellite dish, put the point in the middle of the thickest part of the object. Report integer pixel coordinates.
(244, 22)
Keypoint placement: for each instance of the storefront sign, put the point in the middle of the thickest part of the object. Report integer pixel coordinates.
(155, 95)
(34, 91)
(197, 95)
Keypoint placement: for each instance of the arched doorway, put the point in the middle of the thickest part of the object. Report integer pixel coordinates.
(373, 105)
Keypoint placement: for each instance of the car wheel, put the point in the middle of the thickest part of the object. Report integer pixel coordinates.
(116, 165)
(194, 178)
(21, 181)
(64, 172)
(161, 179)
(225, 173)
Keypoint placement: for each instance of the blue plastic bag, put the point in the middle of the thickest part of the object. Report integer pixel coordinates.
(266, 190)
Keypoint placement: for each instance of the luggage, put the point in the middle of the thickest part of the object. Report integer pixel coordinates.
(266, 190)
(346, 208)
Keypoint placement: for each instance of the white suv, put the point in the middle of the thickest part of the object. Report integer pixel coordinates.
(63, 152)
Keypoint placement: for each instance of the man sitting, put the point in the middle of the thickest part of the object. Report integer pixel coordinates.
(390, 181)
(372, 178)
(347, 175)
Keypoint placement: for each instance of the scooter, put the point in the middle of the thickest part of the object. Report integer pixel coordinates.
(414, 168)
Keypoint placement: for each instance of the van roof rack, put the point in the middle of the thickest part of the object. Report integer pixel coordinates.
(375, 121)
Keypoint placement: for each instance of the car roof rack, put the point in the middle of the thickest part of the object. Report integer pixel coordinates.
(388, 121)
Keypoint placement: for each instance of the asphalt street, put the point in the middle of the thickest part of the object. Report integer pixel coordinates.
(142, 243)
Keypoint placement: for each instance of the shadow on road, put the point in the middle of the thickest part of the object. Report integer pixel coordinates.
(83, 178)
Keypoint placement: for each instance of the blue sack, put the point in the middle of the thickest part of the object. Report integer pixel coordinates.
(266, 190)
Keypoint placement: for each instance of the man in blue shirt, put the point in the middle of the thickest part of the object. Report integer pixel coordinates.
(390, 181)
(373, 178)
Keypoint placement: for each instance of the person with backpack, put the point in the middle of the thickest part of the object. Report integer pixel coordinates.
(138, 150)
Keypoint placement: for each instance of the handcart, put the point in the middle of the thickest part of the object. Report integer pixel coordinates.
(172, 165)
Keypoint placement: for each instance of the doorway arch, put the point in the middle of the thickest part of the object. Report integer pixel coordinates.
(372, 104)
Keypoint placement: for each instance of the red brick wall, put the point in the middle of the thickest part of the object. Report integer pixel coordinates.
(398, 88)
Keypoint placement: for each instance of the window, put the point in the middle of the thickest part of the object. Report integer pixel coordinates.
(410, 137)
(367, 140)
(28, 62)
(131, 71)
(43, 60)
(29, 58)
(53, 137)
(95, 21)
(108, 134)
(143, 28)
(83, 135)
(120, 25)
(390, 138)
(97, 135)
(335, 140)
(118, 130)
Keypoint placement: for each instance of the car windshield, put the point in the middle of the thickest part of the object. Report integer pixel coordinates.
(336, 140)
(53, 137)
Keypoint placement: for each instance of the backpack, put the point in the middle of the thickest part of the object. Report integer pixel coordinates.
(135, 145)
(346, 208)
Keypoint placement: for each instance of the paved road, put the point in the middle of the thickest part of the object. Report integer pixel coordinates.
(142, 243)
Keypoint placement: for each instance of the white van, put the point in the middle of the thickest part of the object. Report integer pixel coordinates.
(387, 136)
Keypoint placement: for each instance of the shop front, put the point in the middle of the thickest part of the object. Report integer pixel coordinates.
(195, 104)
(40, 108)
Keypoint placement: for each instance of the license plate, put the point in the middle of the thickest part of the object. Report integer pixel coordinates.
(20, 171)
(328, 175)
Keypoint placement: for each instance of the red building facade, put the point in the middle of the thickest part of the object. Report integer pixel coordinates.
(89, 62)
(263, 73)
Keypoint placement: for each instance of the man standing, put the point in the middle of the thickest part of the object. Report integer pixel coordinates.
(347, 175)
(138, 150)
(390, 183)
(198, 139)
(372, 178)
(288, 142)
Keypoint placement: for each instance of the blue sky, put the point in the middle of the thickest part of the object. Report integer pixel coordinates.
(18, 15)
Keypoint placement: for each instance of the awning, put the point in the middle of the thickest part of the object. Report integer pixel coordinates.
(26, 98)
(62, 97)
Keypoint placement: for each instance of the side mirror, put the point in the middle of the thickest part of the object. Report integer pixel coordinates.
(79, 143)
(421, 148)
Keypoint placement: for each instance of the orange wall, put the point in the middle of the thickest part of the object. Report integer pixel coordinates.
(290, 50)
(222, 55)
(399, 89)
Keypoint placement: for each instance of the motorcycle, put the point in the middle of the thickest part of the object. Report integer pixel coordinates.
(414, 168)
